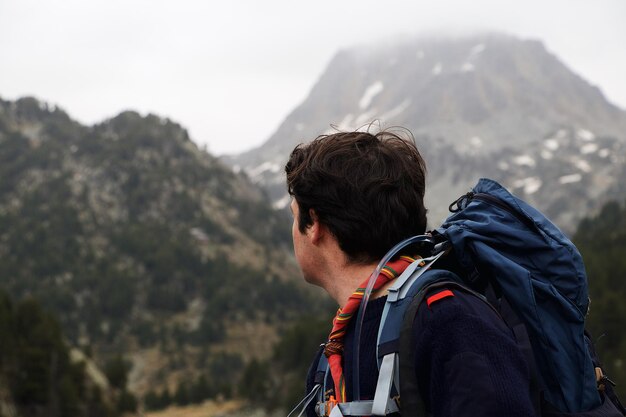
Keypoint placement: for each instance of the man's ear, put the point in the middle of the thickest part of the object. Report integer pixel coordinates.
(316, 230)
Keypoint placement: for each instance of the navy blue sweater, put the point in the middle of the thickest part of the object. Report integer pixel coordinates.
(467, 360)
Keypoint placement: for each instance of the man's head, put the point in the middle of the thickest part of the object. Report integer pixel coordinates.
(367, 189)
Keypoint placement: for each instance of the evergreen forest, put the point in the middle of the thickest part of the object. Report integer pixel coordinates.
(602, 241)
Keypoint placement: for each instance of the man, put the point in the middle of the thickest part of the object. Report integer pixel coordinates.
(355, 195)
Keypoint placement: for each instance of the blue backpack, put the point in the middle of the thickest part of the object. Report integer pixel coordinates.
(537, 279)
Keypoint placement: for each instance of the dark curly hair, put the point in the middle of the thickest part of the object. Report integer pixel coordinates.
(368, 189)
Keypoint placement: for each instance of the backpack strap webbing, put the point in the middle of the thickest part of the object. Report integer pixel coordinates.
(358, 408)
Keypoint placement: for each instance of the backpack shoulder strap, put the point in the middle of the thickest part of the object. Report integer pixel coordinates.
(400, 295)
(412, 402)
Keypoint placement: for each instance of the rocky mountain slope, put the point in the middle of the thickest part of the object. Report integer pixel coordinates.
(486, 105)
(141, 243)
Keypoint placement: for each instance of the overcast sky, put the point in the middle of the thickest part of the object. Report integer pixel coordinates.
(230, 71)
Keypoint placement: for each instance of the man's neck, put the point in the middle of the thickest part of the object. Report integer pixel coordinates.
(333, 270)
(345, 279)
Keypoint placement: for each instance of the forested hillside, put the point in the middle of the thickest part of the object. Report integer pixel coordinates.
(146, 247)
(41, 376)
(172, 273)
(602, 242)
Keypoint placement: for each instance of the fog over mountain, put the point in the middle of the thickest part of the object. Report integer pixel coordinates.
(485, 105)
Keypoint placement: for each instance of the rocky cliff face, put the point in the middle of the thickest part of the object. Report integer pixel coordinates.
(488, 105)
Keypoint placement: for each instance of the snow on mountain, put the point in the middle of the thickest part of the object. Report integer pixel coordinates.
(484, 105)
(370, 92)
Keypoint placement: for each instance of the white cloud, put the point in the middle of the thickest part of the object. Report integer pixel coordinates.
(217, 67)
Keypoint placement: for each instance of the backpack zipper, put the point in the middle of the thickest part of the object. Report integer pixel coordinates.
(489, 199)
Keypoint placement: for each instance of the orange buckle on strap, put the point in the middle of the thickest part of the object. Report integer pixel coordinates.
(330, 404)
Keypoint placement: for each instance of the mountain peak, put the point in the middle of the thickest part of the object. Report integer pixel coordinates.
(465, 98)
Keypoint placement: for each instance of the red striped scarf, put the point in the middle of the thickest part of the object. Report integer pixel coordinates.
(334, 347)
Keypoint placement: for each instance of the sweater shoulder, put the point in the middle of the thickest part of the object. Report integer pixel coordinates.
(445, 306)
